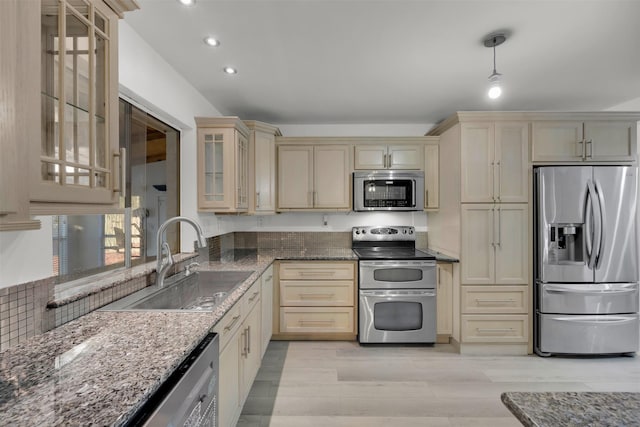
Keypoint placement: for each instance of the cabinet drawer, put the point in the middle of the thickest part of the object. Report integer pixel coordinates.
(228, 325)
(495, 299)
(316, 293)
(495, 329)
(316, 319)
(317, 271)
(251, 298)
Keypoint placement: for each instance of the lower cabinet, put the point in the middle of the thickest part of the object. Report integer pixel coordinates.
(444, 303)
(494, 314)
(240, 335)
(317, 300)
(267, 308)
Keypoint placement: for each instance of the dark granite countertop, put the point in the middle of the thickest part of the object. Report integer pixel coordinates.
(574, 409)
(100, 368)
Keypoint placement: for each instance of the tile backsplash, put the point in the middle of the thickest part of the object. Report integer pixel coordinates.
(28, 309)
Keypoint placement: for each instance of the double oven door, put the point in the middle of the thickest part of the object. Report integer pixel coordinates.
(397, 301)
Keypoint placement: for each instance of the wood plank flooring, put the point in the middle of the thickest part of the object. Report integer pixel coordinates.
(314, 384)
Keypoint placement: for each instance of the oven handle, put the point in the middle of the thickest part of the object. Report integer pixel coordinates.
(403, 264)
(406, 294)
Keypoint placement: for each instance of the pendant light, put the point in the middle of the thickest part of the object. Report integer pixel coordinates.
(495, 79)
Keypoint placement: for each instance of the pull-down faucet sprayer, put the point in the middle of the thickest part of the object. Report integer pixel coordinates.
(163, 247)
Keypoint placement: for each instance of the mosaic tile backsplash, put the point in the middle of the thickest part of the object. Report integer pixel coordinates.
(27, 309)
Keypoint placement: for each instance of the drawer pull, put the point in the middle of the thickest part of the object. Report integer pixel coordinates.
(316, 296)
(233, 322)
(317, 273)
(302, 322)
(494, 330)
(252, 297)
(488, 300)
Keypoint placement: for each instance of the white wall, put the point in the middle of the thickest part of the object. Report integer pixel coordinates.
(152, 84)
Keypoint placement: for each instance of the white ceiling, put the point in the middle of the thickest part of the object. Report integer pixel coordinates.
(397, 61)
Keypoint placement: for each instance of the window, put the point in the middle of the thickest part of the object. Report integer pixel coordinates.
(84, 245)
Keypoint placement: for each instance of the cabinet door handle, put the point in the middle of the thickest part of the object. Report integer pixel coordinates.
(317, 273)
(244, 353)
(493, 181)
(499, 226)
(390, 160)
(248, 339)
(257, 199)
(233, 322)
(588, 149)
(122, 176)
(580, 146)
(493, 228)
(426, 198)
(252, 297)
(302, 322)
(499, 167)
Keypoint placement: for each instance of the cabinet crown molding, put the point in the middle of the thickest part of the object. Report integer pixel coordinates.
(223, 122)
(337, 140)
(466, 116)
(263, 127)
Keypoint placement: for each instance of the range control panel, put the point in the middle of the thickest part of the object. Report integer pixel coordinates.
(379, 233)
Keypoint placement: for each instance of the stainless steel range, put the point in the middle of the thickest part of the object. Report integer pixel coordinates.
(397, 286)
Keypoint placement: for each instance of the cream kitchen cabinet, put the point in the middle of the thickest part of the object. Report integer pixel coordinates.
(378, 156)
(267, 308)
(584, 141)
(431, 176)
(314, 177)
(494, 158)
(60, 102)
(495, 244)
(223, 164)
(239, 333)
(317, 300)
(262, 167)
(444, 302)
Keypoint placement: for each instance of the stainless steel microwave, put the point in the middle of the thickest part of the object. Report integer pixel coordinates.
(388, 190)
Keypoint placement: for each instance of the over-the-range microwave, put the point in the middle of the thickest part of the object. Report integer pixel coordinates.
(388, 190)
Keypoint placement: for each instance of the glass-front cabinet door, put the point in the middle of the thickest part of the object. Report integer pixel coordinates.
(223, 164)
(78, 160)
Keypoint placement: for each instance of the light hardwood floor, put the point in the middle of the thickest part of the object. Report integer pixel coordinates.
(314, 384)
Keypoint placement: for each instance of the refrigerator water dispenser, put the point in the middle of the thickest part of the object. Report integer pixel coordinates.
(566, 244)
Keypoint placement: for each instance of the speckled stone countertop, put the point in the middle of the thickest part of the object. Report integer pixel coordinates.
(99, 369)
(574, 409)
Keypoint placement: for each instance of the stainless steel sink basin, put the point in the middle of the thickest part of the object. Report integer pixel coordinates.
(200, 291)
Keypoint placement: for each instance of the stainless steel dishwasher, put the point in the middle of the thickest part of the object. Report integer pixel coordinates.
(189, 397)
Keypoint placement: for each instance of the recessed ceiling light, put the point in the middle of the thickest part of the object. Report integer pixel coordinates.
(212, 41)
(188, 2)
(230, 70)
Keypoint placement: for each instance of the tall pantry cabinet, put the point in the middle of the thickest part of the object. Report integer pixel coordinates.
(484, 220)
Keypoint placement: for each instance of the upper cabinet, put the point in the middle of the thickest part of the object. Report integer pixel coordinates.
(223, 164)
(77, 159)
(314, 177)
(262, 167)
(585, 141)
(60, 84)
(380, 156)
(494, 158)
(431, 176)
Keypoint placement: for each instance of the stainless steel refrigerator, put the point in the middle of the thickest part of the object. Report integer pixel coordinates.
(586, 260)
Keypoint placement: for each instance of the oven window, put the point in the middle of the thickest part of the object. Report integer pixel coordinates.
(397, 316)
(397, 275)
(382, 193)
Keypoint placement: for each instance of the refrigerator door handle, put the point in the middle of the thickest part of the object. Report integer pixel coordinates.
(573, 290)
(588, 225)
(592, 215)
(601, 223)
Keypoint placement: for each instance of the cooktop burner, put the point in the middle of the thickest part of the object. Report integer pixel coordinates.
(387, 243)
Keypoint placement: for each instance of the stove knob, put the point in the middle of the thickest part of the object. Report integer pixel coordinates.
(404, 231)
(364, 231)
(410, 231)
(357, 231)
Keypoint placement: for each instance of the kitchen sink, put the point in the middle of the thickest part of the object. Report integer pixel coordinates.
(200, 291)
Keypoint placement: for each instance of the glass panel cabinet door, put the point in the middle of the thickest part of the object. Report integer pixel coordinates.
(76, 97)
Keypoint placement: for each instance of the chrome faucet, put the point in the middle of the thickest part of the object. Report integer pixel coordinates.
(163, 246)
